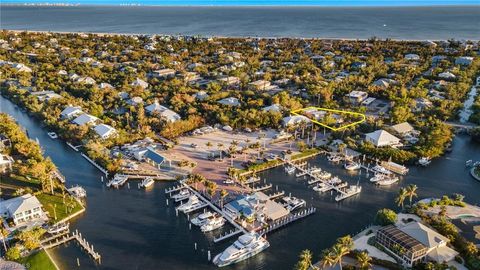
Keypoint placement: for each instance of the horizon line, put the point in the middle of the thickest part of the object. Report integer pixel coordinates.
(3, 3)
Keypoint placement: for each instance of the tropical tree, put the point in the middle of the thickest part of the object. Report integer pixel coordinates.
(411, 192)
(364, 261)
(385, 217)
(305, 261)
(223, 194)
(401, 196)
(338, 251)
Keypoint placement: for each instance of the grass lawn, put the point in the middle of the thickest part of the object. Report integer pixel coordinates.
(53, 204)
(305, 153)
(20, 181)
(38, 261)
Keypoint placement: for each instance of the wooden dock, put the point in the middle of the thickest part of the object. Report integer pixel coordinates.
(262, 188)
(175, 188)
(62, 238)
(276, 195)
(287, 220)
(226, 235)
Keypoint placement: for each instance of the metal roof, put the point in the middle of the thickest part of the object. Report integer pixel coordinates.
(404, 240)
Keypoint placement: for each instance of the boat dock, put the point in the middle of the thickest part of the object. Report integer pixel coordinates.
(287, 220)
(226, 235)
(261, 188)
(65, 237)
(276, 195)
(175, 188)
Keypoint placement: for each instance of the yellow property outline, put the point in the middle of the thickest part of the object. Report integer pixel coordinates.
(295, 112)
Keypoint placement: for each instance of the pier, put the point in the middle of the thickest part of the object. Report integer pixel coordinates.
(65, 237)
(59, 176)
(226, 235)
(261, 188)
(175, 189)
(287, 220)
(276, 195)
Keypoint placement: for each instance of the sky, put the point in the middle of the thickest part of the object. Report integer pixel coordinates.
(260, 2)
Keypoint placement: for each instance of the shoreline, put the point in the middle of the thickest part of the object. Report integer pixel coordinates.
(218, 37)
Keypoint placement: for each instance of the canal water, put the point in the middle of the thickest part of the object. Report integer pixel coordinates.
(135, 229)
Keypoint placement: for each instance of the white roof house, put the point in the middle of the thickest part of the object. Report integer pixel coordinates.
(412, 57)
(294, 120)
(164, 112)
(86, 80)
(357, 96)
(70, 111)
(21, 67)
(104, 131)
(5, 163)
(200, 95)
(231, 101)
(273, 108)
(105, 86)
(382, 138)
(403, 128)
(436, 243)
(163, 73)
(384, 82)
(447, 75)
(139, 82)
(85, 119)
(22, 209)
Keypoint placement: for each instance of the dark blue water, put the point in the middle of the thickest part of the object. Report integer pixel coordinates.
(134, 229)
(419, 23)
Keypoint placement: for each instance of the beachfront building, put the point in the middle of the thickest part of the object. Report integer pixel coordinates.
(381, 138)
(403, 246)
(23, 209)
(104, 131)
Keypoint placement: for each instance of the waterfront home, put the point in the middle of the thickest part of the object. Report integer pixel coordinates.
(85, 119)
(70, 112)
(23, 209)
(356, 97)
(436, 244)
(403, 128)
(139, 83)
(404, 247)
(230, 101)
(104, 131)
(250, 207)
(464, 61)
(294, 120)
(5, 163)
(153, 157)
(45, 95)
(163, 111)
(272, 108)
(381, 138)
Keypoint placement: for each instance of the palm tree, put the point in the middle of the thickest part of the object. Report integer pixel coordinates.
(327, 259)
(305, 262)
(220, 148)
(337, 252)
(412, 192)
(364, 261)
(208, 144)
(346, 241)
(223, 194)
(402, 195)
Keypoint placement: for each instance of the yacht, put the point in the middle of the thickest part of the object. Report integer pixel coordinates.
(118, 180)
(290, 169)
(334, 158)
(229, 181)
(381, 169)
(213, 224)
(147, 182)
(292, 203)
(192, 203)
(52, 135)
(77, 192)
(247, 245)
(387, 181)
(424, 161)
(182, 195)
(322, 187)
(352, 190)
(352, 166)
(202, 218)
(378, 177)
(324, 175)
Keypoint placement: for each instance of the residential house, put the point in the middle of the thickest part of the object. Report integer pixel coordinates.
(163, 111)
(295, 120)
(6, 163)
(104, 131)
(272, 108)
(447, 75)
(139, 83)
(85, 119)
(412, 57)
(231, 101)
(382, 138)
(464, 61)
(70, 111)
(162, 73)
(356, 97)
(200, 95)
(259, 85)
(23, 209)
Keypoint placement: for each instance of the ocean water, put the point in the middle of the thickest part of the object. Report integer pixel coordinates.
(418, 23)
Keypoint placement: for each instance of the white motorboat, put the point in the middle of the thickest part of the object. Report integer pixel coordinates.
(378, 177)
(118, 180)
(147, 182)
(290, 169)
(387, 181)
(247, 245)
(182, 195)
(381, 169)
(352, 166)
(202, 218)
(335, 180)
(334, 158)
(77, 192)
(424, 161)
(52, 135)
(341, 185)
(192, 203)
(229, 181)
(292, 203)
(213, 224)
(322, 187)
(315, 170)
(351, 191)
(324, 175)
